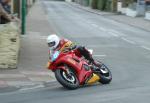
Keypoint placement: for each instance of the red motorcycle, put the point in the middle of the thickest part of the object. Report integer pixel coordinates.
(72, 70)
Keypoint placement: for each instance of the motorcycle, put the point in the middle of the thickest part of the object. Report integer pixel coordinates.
(72, 70)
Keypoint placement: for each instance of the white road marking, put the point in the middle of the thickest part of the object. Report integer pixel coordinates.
(129, 41)
(113, 34)
(147, 48)
(43, 37)
(96, 55)
(89, 22)
(116, 32)
(94, 25)
(31, 88)
(36, 36)
(110, 31)
(103, 29)
(44, 73)
(20, 83)
(92, 46)
(12, 76)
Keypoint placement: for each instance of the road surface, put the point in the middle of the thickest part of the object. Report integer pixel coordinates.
(125, 50)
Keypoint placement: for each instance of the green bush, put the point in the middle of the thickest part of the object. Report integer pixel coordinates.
(101, 5)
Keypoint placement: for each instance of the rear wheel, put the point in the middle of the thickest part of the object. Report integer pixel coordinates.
(105, 75)
(67, 80)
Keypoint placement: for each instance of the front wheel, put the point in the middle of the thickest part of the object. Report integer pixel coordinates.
(105, 75)
(68, 81)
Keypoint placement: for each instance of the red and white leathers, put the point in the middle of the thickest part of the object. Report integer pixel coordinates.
(63, 44)
(80, 50)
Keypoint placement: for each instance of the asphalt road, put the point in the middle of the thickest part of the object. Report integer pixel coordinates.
(125, 49)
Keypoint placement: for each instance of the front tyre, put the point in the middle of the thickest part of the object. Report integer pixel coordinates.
(68, 81)
(105, 75)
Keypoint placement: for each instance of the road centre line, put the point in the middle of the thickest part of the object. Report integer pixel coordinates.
(94, 25)
(103, 29)
(43, 38)
(147, 48)
(110, 31)
(12, 76)
(31, 88)
(37, 37)
(44, 73)
(113, 34)
(96, 55)
(117, 32)
(129, 41)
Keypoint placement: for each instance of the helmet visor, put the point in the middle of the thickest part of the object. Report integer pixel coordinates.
(51, 44)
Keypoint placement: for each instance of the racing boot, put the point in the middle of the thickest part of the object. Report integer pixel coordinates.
(95, 66)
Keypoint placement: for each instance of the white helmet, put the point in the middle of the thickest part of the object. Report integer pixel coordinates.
(53, 41)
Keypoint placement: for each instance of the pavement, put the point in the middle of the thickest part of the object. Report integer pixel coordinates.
(33, 57)
(138, 22)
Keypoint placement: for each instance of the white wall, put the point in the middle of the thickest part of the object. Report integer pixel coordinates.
(68, 0)
(147, 15)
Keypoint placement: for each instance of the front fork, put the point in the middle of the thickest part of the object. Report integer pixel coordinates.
(67, 70)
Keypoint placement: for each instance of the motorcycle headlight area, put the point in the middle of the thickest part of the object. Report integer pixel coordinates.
(55, 56)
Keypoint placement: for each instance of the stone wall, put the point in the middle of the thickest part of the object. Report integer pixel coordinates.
(9, 45)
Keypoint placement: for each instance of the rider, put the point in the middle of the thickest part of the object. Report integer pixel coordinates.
(57, 44)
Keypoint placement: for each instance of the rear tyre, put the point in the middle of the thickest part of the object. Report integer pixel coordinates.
(105, 75)
(70, 82)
